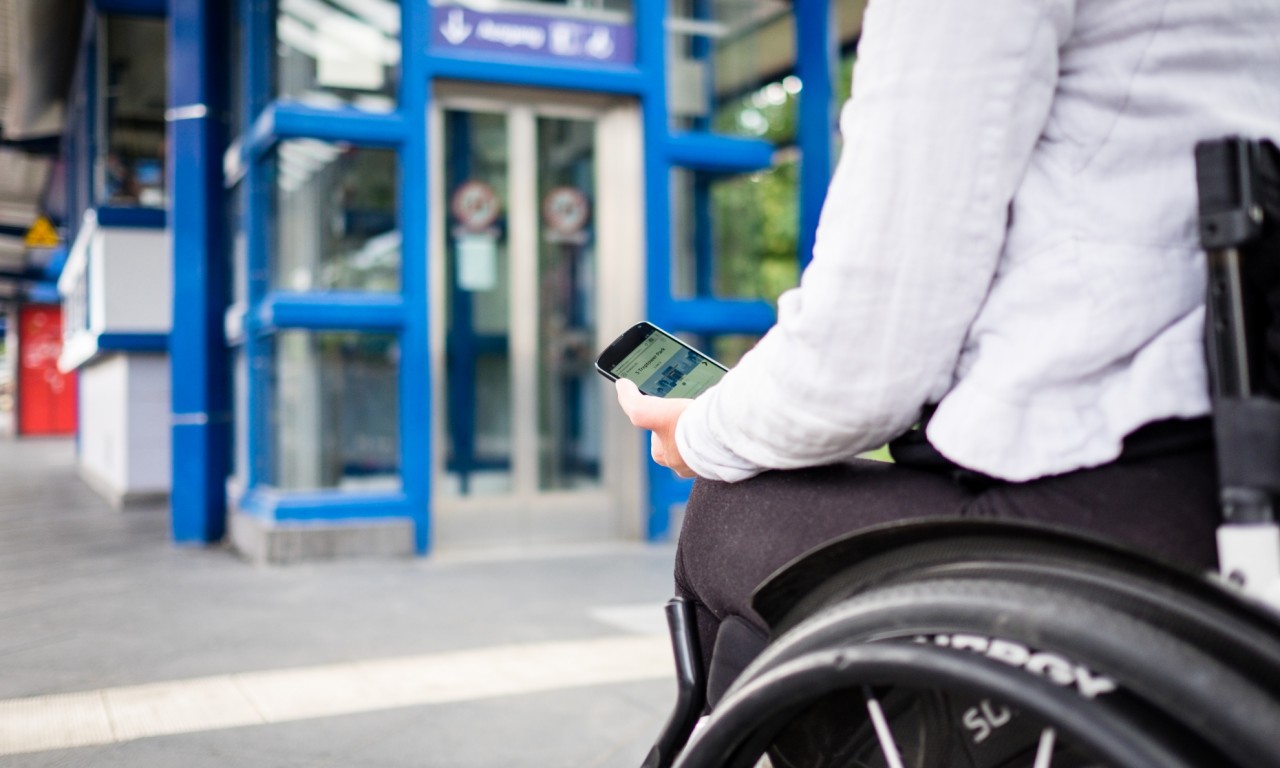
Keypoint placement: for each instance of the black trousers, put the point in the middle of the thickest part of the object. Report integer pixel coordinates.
(1159, 496)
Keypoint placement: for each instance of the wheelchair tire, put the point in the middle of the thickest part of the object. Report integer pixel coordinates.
(1208, 615)
(1098, 676)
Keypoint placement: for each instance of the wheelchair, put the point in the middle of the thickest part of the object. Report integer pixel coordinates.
(981, 644)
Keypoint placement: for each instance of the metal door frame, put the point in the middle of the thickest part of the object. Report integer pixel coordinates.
(528, 515)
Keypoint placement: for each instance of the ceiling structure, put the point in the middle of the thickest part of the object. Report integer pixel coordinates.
(37, 59)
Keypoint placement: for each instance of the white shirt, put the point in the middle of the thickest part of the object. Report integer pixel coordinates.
(1010, 233)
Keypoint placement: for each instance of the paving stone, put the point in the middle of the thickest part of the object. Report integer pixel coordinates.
(93, 597)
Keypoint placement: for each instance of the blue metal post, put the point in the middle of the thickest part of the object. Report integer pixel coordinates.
(198, 357)
(816, 60)
(415, 360)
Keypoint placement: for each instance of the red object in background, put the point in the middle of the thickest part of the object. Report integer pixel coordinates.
(46, 396)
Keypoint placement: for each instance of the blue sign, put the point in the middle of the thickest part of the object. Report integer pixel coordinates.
(547, 37)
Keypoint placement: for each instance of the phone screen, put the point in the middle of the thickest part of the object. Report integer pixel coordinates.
(661, 365)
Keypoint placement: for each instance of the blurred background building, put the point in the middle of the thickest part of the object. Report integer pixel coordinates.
(331, 274)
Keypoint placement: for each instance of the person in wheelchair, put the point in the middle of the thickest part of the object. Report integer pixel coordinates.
(1006, 287)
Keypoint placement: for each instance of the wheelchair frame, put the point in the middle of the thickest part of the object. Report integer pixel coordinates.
(1239, 188)
(830, 609)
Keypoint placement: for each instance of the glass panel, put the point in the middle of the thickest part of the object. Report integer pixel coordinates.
(335, 411)
(332, 53)
(336, 223)
(240, 424)
(133, 105)
(238, 240)
(735, 236)
(721, 51)
(260, 389)
(477, 302)
(569, 441)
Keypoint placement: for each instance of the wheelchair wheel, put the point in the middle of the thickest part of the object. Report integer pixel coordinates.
(985, 673)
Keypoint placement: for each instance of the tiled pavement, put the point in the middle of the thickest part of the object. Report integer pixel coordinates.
(119, 649)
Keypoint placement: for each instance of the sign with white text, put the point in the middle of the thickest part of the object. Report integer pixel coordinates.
(548, 37)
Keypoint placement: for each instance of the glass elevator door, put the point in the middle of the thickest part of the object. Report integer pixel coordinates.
(525, 452)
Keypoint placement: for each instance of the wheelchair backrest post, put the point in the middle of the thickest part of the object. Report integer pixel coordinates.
(1239, 189)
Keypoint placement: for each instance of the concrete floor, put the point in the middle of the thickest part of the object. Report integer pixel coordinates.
(97, 608)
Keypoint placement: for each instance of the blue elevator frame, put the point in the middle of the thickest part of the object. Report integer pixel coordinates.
(198, 50)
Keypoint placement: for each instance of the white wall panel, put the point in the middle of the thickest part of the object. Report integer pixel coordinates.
(138, 279)
(148, 424)
(124, 425)
(103, 430)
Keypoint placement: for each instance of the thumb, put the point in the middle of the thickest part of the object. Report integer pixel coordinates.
(644, 411)
(630, 398)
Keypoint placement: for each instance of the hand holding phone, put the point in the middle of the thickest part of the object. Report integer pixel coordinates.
(659, 363)
(661, 416)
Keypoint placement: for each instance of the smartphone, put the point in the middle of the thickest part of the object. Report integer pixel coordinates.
(658, 363)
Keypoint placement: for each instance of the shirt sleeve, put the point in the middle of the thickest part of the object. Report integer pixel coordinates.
(949, 102)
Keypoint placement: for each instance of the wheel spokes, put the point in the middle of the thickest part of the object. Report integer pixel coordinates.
(887, 745)
(1044, 753)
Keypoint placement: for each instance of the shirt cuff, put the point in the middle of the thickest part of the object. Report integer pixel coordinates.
(704, 452)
